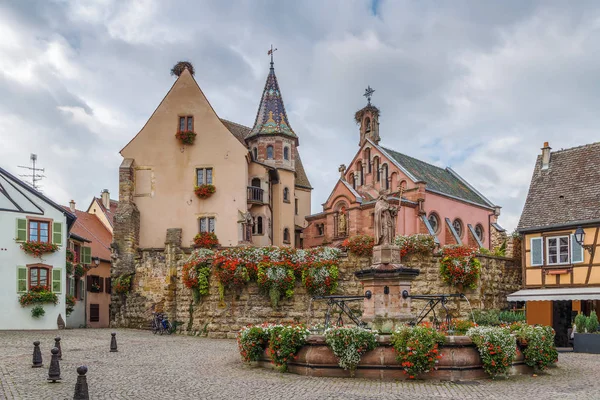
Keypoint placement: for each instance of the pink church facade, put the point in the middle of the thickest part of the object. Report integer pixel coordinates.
(434, 200)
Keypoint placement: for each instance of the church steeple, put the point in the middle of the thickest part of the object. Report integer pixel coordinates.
(271, 118)
(368, 120)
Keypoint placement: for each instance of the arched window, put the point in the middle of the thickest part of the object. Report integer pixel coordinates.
(255, 182)
(259, 225)
(368, 157)
(254, 225)
(255, 153)
(458, 227)
(377, 171)
(386, 177)
(367, 124)
(394, 181)
(403, 185)
(286, 153)
(434, 222)
(479, 231)
(286, 235)
(359, 173)
(269, 152)
(286, 195)
(352, 180)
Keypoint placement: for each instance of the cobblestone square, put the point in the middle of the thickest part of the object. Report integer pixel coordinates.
(181, 367)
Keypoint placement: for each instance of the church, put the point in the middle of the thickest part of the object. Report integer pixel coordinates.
(430, 200)
(191, 171)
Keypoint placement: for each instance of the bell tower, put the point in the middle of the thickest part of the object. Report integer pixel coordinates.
(368, 120)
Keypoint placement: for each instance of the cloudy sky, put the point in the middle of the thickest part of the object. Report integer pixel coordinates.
(478, 86)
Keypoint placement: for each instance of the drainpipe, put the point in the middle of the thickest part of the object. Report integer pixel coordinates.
(271, 209)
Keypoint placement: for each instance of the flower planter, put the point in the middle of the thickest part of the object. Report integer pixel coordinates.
(587, 343)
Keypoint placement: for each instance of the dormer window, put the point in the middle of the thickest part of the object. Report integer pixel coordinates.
(286, 195)
(286, 153)
(269, 152)
(186, 123)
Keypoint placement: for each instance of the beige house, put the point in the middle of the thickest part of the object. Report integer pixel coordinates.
(262, 193)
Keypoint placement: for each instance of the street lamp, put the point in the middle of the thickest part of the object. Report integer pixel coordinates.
(580, 237)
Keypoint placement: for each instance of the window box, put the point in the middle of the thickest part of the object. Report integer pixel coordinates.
(587, 343)
(204, 191)
(36, 249)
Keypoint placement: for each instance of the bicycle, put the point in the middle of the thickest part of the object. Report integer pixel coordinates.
(161, 324)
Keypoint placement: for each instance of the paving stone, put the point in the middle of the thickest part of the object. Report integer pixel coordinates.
(151, 366)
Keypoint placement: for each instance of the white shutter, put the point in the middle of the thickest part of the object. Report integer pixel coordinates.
(576, 251)
(537, 251)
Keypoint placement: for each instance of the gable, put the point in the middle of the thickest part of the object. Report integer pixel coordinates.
(342, 189)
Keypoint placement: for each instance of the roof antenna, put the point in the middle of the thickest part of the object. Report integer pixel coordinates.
(35, 175)
(270, 53)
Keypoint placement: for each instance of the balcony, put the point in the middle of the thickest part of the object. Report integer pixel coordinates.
(255, 195)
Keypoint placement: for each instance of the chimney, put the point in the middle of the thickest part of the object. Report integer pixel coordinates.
(105, 196)
(72, 205)
(546, 155)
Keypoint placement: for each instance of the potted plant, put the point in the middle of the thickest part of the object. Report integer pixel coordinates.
(587, 337)
(204, 191)
(186, 137)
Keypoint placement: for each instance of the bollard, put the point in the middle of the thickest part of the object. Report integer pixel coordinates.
(37, 355)
(113, 343)
(57, 345)
(81, 387)
(54, 371)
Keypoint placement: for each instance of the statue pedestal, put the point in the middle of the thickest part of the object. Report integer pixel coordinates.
(385, 254)
(386, 309)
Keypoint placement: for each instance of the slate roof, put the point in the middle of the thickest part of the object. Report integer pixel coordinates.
(567, 192)
(89, 227)
(442, 180)
(241, 132)
(271, 118)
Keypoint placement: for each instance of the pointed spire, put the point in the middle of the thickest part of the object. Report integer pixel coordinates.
(271, 118)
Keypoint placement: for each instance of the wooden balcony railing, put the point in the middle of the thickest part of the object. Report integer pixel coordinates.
(255, 194)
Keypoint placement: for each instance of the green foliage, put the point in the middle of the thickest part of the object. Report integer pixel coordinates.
(38, 295)
(70, 304)
(417, 349)
(252, 341)
(69, 268)
(349, 344)
(459, 267)
(580, 323)
(486, 317)
(276, 280)
(510, 317)
(122, 284)
(38, 311)
(457, 327)
(591, 324)
(284, 343)
(79, 271)
(500, 251)
(420, 244)
(496, 347)
(539, 351)
(360, 245)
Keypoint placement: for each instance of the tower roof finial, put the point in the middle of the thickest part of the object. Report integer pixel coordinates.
(369, 93)
(270, 52)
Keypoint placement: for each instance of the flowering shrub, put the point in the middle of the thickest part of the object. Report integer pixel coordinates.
(205, 191)
(457, 327)
(38, 295)
(122, 284)
(70, 304)
(275, 280)
(186, 137)
(349, 344)
(320, 278)
(206, 240)
(417, 349)
(360, 245)
(70, 256)
(230, 272)
(496, 346)
(539, 351)
(69, 268)
(285, 341)
(420, 243)
(459, 267)
(196, 272)
(252, 341)
(38, 248)
(38, 311)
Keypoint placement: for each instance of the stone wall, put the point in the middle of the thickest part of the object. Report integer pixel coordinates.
(157, 285)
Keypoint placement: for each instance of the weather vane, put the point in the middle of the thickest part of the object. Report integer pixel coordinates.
(368, 93)
(270, 53)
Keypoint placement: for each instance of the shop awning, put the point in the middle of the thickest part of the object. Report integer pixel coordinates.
(583, 293)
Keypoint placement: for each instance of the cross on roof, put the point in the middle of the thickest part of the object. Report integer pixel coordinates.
(368, 93)
(270, 52)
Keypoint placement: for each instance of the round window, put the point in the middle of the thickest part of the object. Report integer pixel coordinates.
(434, 221)
(479, 231)
(457, 225)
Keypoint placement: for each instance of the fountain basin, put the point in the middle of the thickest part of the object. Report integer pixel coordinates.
(460, 361)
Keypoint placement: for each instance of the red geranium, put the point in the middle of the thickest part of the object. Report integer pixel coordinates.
(360, 245)
(37, 248)
(206, 240)
(186, 137)
(205, 191)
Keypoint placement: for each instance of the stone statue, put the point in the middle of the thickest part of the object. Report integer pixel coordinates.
(385, 221)
(342, 170)
(249, 224)
(342, 225)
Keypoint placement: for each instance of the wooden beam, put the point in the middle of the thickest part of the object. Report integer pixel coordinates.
(592, 254)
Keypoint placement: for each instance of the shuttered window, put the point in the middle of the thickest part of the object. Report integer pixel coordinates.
(94, 312)
(57, 233)
(537, 251)
(576, 251)
(57, 280)
(86, 255)
(21, 279)
(21, 230)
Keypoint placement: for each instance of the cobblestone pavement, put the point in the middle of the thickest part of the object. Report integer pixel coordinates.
(182, 367)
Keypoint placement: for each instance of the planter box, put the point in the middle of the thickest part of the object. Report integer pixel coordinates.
(587, 343)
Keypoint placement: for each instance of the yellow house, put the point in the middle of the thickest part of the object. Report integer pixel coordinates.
(560, 226)
(262, 192)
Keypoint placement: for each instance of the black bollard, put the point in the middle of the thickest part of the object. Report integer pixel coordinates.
(54, 371)
(37, 355)
(113, 343)
(81, 387)
(57, 345)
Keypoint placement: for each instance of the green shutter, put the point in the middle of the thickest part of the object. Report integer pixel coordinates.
(86, 255)
(537, 251)
(21, 279)
(57, 233)
(21, 230)
(57, 280)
